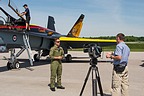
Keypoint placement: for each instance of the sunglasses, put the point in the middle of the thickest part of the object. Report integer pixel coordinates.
(57, 41)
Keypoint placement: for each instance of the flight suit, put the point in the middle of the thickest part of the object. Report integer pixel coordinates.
(56, 65)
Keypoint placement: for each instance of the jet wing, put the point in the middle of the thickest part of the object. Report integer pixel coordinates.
(72, 42)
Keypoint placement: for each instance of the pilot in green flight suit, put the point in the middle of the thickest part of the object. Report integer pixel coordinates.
(56, 54)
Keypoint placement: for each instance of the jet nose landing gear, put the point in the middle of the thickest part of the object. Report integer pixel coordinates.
(14, 65)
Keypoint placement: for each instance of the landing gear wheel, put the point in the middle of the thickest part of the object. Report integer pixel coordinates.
(13, 66)
(16, 65)
(36, 58)
(68, 58)
(9, 66)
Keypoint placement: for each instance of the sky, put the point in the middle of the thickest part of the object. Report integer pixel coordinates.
(102, 17)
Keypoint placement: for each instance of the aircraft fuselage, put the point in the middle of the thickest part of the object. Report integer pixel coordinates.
(39, 38)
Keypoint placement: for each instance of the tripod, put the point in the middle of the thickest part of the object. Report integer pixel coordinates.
(95, 78)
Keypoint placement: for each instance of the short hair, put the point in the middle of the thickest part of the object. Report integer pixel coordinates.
(121, 36)
(25, 5)
(56, 39)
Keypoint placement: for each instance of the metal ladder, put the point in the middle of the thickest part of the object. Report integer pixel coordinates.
(28, 48)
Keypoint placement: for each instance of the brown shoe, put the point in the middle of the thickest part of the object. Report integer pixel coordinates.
(60, 87)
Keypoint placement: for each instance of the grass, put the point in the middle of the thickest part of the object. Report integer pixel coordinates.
(134, 47)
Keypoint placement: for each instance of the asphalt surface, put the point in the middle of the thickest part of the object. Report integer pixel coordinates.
(25, 82)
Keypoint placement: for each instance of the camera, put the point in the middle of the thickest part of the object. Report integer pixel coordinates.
(94, 52)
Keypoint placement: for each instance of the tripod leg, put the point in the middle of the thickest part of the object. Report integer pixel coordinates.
(94, 82)
(99, 82)
(85, 80)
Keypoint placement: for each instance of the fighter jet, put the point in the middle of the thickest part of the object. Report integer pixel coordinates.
(40, 39)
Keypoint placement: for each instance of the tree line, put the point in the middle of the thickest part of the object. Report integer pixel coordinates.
(127, 38)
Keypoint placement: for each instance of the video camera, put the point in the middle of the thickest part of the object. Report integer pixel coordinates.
(93, 49)
(94, 52)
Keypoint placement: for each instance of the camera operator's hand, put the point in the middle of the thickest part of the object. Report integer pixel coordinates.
(108, 55)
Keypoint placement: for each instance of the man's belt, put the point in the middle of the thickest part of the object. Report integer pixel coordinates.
(119, 68)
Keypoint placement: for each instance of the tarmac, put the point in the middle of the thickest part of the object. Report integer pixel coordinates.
(25, 82)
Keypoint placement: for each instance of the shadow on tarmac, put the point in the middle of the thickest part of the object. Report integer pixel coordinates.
(3, 69)
(107, 95)
(24, 63)
(142, 65)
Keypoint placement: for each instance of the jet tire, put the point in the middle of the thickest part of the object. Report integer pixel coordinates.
(36, 58)
(16, 65)
(68, 58)
(9, 66)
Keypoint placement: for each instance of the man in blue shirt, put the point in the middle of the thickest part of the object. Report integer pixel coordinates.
(120, 70)
(27, 14)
